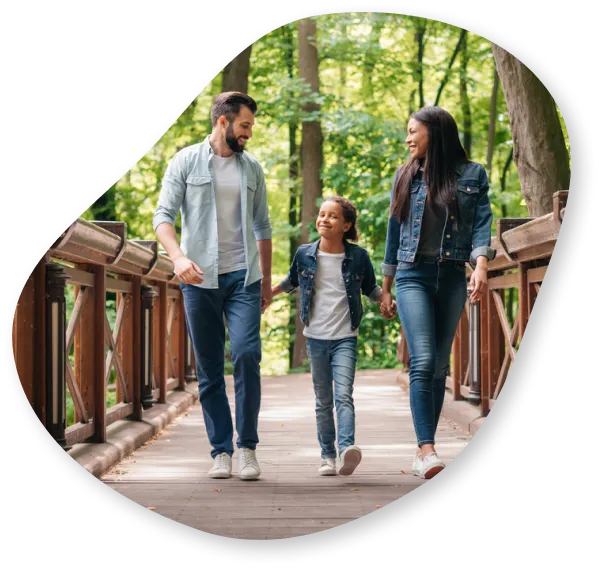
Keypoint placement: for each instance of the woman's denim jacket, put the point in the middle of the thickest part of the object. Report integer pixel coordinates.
(358, 276)
(464, 242)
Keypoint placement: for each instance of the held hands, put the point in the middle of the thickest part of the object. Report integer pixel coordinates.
(388, 306)
(187, 271)
(267, 294)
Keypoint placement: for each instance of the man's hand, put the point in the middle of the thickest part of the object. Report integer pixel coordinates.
(266, 293)
(188, 271)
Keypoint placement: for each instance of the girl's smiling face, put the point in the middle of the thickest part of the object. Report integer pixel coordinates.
(330, 222)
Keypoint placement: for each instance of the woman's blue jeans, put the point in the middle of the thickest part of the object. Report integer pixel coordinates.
(430, 294)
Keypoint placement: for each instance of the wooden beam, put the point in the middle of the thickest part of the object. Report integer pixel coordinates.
(99, 353)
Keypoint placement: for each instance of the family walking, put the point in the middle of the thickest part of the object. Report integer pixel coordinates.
(440, 218)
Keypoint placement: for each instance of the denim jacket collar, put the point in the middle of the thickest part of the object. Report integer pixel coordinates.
(313, 249)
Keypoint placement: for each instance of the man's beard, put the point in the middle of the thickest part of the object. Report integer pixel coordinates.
(232, 141)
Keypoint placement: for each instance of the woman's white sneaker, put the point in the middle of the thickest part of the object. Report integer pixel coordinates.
(431, 466)
(417, 465)
(327, 467)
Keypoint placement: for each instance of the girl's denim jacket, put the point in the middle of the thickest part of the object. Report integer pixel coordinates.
(356, 269)
(464, 242)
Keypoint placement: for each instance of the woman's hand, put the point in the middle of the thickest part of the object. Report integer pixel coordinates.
(388, 306)
(478, 280)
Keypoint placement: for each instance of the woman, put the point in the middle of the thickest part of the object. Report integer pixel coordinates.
(440, 218)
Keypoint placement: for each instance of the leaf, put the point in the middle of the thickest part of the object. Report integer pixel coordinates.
(151, 508)
(355, 489)
(378, 506)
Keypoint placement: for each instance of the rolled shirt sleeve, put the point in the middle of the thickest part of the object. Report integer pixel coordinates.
(483, 219)
(172, 193)
(261, 225)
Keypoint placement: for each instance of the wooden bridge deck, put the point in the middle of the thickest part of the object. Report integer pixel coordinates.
(169, 474)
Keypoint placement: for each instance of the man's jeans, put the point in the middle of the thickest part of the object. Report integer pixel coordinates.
(333, 362)
(430, 301)
(204, 310)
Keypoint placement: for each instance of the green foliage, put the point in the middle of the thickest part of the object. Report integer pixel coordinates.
(369, 85)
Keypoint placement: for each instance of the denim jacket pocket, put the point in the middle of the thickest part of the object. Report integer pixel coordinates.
(468, 193)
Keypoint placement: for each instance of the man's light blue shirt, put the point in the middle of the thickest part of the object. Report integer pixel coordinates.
(189, 186)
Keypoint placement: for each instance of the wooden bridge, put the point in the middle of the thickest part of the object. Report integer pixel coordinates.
(120, 396)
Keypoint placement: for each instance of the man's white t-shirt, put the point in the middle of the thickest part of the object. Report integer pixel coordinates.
(231, 253)
(329, 316)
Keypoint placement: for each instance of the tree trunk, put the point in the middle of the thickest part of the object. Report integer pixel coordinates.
(236, 73)
(419, 69)
(506, 168)
(492, 121)
(311, 150)
(540, 151)
(294, 198)
(464, 99)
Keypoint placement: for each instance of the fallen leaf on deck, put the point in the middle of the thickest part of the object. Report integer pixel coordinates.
(401, 471)
(355, 489)
(152, 508)
(219, 490)
(378, 506)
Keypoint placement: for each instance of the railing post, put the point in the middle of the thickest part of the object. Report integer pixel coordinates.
(56, 393)
(99, 354)
(474, 350)
(162, 331)
(137, 346)
(146, 324)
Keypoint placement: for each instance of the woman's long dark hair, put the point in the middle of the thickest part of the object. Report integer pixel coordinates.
(444, 153)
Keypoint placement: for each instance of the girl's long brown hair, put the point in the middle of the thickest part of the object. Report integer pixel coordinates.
(444, 153)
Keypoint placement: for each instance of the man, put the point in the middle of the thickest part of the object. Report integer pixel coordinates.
(224, 265)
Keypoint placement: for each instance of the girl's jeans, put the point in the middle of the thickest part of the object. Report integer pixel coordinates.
(333, 362)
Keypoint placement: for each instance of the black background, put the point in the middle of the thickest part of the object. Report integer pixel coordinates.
(94, 94)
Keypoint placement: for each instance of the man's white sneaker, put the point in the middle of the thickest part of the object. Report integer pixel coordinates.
(327, 467)
(431, 466)
(221, 469)
(248, 464)
(349, 460)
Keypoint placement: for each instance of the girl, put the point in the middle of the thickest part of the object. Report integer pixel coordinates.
(440, 218)
(331, 274)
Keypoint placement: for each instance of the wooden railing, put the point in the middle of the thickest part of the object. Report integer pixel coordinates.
(488, 334)
(146, 351)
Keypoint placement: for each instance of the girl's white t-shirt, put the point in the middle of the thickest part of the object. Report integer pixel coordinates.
(329, 316)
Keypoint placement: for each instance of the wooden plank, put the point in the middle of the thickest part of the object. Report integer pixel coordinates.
(171, 473)
(39, 381)
(523, 289)
(23, 338)
(537, 274)
(99, 353)
(505, 326)
(79, 432)
(496, 344)
(537, 252)
(484, 353)
(80, 298)
(181, 342)
(464, 391)
(162, 335)
(536, 232)
(118, 412)
(78, 277)
(122, 286)
(83, 354)
(136, 353)
(504, 281)
(80, 411)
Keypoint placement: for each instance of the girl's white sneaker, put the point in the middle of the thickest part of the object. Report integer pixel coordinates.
(349, 460)
(431, 466)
